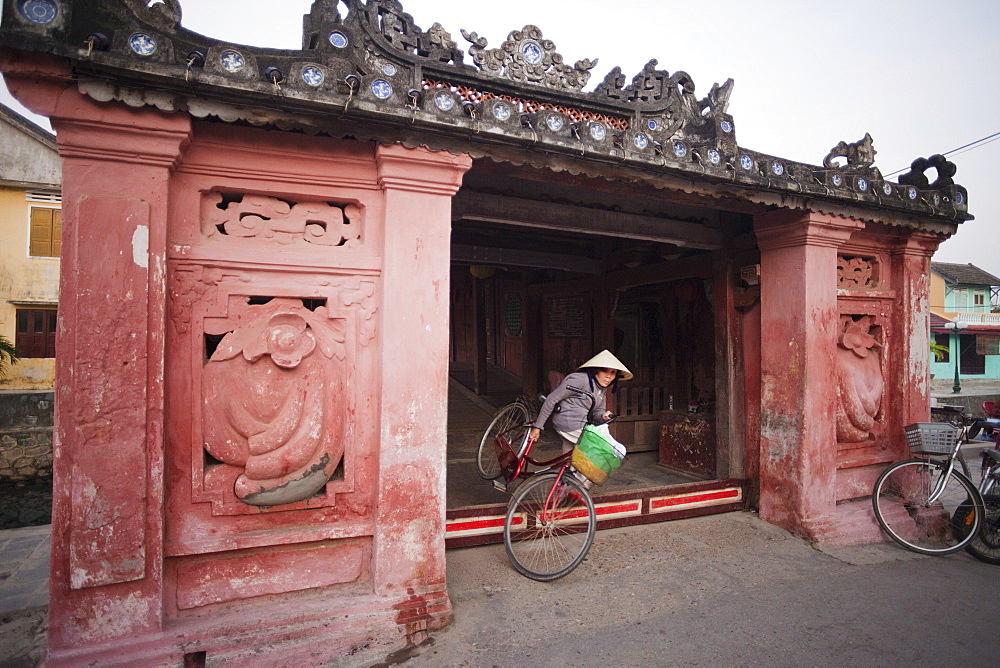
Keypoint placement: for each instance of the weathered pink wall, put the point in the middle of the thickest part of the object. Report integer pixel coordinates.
(843, 366)
(154, 555)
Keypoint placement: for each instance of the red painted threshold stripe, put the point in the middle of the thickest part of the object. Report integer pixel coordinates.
(475, 526)
(702, 498)
(619, 509)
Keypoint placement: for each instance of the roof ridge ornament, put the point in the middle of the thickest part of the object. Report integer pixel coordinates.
(527, 57)
(860, 155)
(916, 177)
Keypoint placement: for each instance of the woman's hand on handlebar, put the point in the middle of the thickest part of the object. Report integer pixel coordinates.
(609, 417)
(534, 434)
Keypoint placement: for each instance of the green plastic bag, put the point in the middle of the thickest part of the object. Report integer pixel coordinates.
(595, 456)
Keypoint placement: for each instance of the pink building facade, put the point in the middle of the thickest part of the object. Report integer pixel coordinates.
(254, 335)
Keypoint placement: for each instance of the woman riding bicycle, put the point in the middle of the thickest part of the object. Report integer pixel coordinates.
(581, 398)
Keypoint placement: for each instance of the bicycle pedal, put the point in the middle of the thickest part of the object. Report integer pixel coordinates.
(499, 486)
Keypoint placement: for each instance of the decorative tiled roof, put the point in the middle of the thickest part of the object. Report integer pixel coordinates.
(372, 73)
(964, 274)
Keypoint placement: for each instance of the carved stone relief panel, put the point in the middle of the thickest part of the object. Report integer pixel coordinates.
(860, 379)
(269, 219)
(857, 272)
(272, 404)
(273, 401)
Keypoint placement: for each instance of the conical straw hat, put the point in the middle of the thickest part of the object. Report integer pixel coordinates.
(605, 360)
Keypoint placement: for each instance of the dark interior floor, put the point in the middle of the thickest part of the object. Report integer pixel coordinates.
(468, 417)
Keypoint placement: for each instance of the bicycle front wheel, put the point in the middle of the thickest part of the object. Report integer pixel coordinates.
(986, 544)
(922, 514)
(549, 527)
(509, 416)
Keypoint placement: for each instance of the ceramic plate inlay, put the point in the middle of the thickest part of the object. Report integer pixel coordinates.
(714, 157)
(652, 125)
(501, 112)
(389, 70)
(38, 11)
(640, 141)
(598, 132)
(381, 89)
(911, 192)
(232, 61)
(862, 183)
(313, 76)
(777, 168)
(726, 126)
(680, 150)
(554, 123)
(887, 188)
(937, 199)
(746, 162)
(142, 43)
(444, 101)
(959, 198)
(532, 53)
(837, 179)
(338, 39)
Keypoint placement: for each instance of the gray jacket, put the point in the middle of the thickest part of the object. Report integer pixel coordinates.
(576, 399)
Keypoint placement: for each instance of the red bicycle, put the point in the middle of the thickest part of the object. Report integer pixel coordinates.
(550, 522)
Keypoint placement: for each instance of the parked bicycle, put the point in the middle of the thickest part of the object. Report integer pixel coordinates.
(929, 506)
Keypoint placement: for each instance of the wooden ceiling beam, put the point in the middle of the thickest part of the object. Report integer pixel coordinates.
(484, 207)
(506, 257)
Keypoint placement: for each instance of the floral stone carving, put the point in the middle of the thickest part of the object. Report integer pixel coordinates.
(860, 380)
(272, 402)
(526, 57)
(274, 220)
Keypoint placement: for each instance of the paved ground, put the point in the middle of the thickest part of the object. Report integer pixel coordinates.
(720, 590)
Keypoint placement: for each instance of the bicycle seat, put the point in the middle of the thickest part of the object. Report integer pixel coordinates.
(992, 454)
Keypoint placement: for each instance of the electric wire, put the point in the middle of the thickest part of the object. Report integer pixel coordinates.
(964, 149)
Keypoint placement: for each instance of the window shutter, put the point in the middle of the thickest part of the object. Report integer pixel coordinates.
(987, 344)
(56, 232)
(41, 232)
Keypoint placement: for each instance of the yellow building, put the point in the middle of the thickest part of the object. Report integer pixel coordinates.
(30, 225)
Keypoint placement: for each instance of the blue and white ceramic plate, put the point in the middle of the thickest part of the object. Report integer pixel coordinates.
(232, 61)
(532, 53)
(142, 43)
(38, 11)
(598, 132)
(444, 100)
(338, 39)
(313, 76)
(381, 89)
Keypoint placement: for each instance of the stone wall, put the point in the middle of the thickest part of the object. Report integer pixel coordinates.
(25, 459)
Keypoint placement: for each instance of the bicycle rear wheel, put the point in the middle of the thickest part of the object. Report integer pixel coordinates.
(904, 508)
(511, 415)
(986, 544)
(546, 542)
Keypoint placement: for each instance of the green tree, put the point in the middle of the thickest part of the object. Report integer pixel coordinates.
(8, 355)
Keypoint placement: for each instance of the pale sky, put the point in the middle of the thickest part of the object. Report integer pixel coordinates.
(919, 75)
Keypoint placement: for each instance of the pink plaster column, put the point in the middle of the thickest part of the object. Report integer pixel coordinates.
(909, 390)
(107, 563)
(798, 457)
(410, 513)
